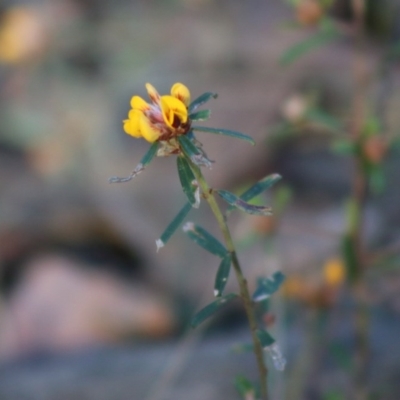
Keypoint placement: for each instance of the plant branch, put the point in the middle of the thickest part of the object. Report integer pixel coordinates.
(244, 290)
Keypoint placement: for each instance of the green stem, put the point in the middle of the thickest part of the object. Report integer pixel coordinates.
(244, 290)
(359, 194)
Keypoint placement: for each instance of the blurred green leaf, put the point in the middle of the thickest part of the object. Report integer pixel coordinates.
(281, 199)
(222, 275)
(322, 118)
(265, 338)
(211, 308)
(350, 258)
(173, 226)
(317, 40)
(244, 387)
(334, 395)
(195, 104)
(225, 132)
(240, 204)
(372, 126)
(202, 115)
(186, 177)
(341, 355)
(243, 347)
(281, 131)
(204, 239)
(353, 216)
(344, 147)
(268, 286)
(377, 179)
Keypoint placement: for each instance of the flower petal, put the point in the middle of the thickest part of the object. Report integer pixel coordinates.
(181, 92)
(153, 94)
(139, 104)
(172, 107)
(148, 130)
(131, 125)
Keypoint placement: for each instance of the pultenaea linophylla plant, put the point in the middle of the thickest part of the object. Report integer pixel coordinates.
(167, 124)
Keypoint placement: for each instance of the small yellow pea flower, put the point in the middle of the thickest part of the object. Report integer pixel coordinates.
(163, 119)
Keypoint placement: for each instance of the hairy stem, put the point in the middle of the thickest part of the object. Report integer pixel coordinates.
(243, 287)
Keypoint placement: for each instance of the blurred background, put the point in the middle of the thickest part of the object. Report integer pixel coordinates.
(88, 308)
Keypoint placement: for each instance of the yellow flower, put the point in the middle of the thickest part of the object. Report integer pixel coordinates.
(334, 272)
(163, 119)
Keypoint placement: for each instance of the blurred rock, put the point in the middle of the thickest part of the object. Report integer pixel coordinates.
(58, 305)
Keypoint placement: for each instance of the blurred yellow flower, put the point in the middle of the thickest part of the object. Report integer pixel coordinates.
(163, 119)
(22, 35)
(334, 272)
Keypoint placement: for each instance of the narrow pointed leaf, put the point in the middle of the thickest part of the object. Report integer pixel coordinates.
(261, 186)
(226, 132)
(188, 146)
(195, 104)
(202, 115)
(268, 286)
(146, 160)
(240, 204)
(186, 177)
(307, 45)
(148, 157)
(173, 226)
(204, 239)
(222, 275)
(211, 309)
(265, 338)
(190, 150)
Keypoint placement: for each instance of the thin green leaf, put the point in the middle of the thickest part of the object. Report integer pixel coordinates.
(261, 186)
(265, 338)
(146, 160)
(190, 150)
(268, 286)
(173, 226)
(195, 104)
(311, 43)
(148, 157)
(222, 275)
(322, 118)
(186, 177)
(204, 239)
(225, 132)
(202, 115)
(240, 204)
(211, 308)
